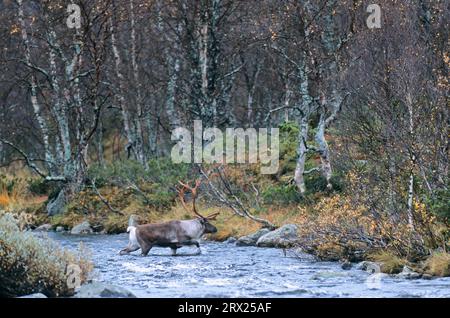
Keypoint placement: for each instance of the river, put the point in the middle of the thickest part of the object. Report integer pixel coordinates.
(225, 270)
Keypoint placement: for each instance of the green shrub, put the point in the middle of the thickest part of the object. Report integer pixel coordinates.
(164, 171)
(281, 194)
(41, 187)
(160, 198)
(32, 265)
(316, 182)
(288, 146)
(116, 173)
(8, 184)
(161, 171)
(438, 204)
(154, 187)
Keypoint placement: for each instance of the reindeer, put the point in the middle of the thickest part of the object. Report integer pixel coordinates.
(173, 234)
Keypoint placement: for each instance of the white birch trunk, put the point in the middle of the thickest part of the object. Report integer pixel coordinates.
(251, 88)
(410, 208)
(174, 119)
(203, 60)
(123, 105)
(59, 108)
(42, 122)
(305, 111)
(287, 98)
(302, 151)
(139, 131)
(324, 152)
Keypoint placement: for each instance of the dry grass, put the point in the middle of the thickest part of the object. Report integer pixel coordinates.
(390, 263)
(19, 197)
(229, 224)
(5, 199)
(8, 199)
(87, 206)
(438, 264)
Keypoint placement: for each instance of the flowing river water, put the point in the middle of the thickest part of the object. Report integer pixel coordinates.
(226, 270)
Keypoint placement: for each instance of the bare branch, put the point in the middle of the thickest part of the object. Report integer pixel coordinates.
(28, 160)
(229, 199)
(311, 170)
(104, 200)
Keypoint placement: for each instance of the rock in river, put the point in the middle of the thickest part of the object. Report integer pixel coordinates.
(82, 228)
(43, 228)
(37, 295)
(250, 240)
(408, 273)
(230, 240)
(59, 229)
(101, 290)
(346, 265)
(367, 266)
(285, 236)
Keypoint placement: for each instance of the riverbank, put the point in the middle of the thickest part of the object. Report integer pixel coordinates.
(302, 232)
(230, 270)
(332, 226)
(226, 270)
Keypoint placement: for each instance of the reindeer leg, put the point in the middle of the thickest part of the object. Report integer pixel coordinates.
(129, 249)
(197, 244)
(199, 251)
(174, 248)
(145, 249)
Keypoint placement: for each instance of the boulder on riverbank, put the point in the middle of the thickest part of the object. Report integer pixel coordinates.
(284, 237)
(36, 295)
(346, 265)
(251, 239)
(101, 290)
(43, 228)
(59, 229)
(230, 240)
(368, 266)
(408, 273)
(375, 267)
(82, 228)
(57, 204)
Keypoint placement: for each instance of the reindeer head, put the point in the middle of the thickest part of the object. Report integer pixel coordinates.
(204, 220)
(209, 228)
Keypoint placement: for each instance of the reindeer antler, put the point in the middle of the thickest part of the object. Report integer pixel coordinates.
(194, 192)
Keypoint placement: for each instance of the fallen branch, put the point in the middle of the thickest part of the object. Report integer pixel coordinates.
(29, 163)
(134, 186)
(103, 199)
(230, 200)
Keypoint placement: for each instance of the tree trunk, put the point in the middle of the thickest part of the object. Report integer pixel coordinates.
(409, 103)
(304, 113)
(131, 147)
(58, 107)
(42, 121)
(174, 70)
(302, 151)
(100, 149)
(324, 152)
(139, 129)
